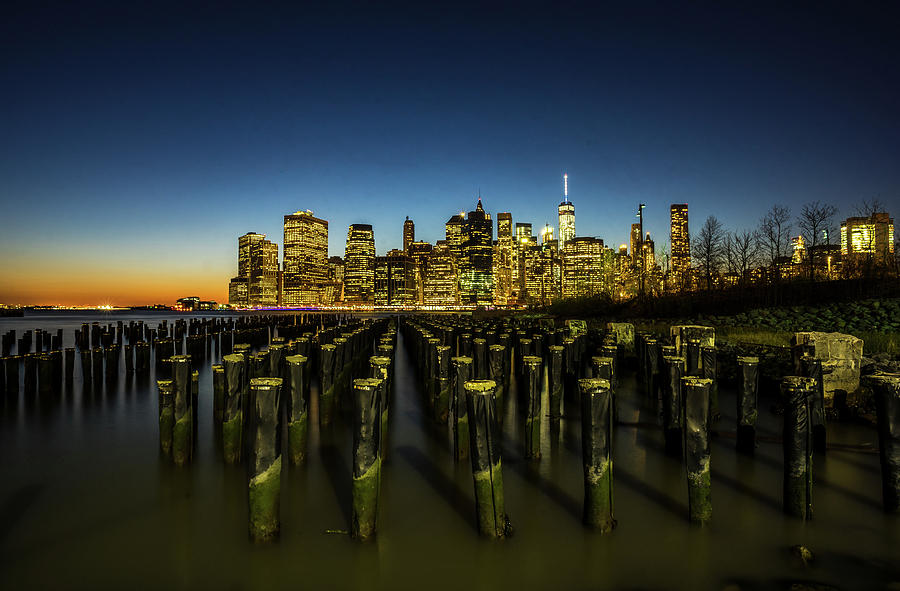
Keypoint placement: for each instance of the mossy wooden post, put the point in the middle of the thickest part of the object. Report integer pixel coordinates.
(651, 368)
(596, 453)
(233, 407)
(695, 392)
(341, 372)
(366, 457)
(97, 366)
(612, 351)
(693, 357)
(812, 368)
(747, 410)
(45, 373)
(709, 370)
(465, 344)
(570, 375)
(183, 431)
(298, 411)
(672, 407)
(432, 372)
(166, 416)
(70, 365)
(380, 367)
(533, 378)
(85, 368)
(327, 354)
(604, 368)
(484, 447)
(555, 380)
(459, 417)
(480, 358)
(129, 359)
(522, 351)
(887, 404)
(441, 389)
(218, 373)
(797, 440)
(497, 369)
(265, 464)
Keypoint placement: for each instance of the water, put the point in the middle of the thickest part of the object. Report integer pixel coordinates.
(86, 502)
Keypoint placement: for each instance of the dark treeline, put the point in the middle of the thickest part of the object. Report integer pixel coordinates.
(732, 300)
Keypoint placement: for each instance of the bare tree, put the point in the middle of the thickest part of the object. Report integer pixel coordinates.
(775, 236)
(815, 219)
(707, 248)
(741, 253)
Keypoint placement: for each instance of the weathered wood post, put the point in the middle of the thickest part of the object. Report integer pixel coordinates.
(85, 368)
(693, 357)
(380, 367)
(233, 405)
(709, 370)
(298, 412)
(166, 416)
(218, 374)
(70, 365)
(596, 453)
(366, 457)
(797, 437)
(747, 412)
(812, 368)
(497, 369)
(97, 366)
(480, 358)
(570, 375)
(533, 378)
(265, 464)
(696, 447)
(327, 384)
(45, 373)
(183, 431)
(459, 417)
(484, 447)
(604, 368)
(887, 402)
(441, 389)
(673, 407)
(555, 380)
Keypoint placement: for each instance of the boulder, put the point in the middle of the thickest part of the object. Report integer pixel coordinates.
(624, 334)
(841, 356)
(682, 333)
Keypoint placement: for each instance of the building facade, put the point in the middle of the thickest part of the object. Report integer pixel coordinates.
(680, 241)
(305, 259)
(359, 264)
(258, 267)
(395, 279)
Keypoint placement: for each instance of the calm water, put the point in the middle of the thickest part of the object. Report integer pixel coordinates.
(86, 502)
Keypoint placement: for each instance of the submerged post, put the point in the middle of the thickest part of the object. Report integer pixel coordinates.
(166, 416)
(265, 465)
(497, 360)
(887, 401)
(596, 453)
(218, 372)
(459, 417)
(812, 368)
(183, 431)
(327, 383)
(797, 437)
(298, 412)
(533, 377)
(484, 443)
(233, 416)
(672, 404)
(696, 447)
(747, 411)
(366, 457)
(555, 380)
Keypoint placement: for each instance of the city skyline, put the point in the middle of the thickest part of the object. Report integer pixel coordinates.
(126, 179)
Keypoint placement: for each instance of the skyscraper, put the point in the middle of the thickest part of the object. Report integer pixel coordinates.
(456, 234)
(409, 233)
(258, 269)
(395, 279)
(305, 264)
(868, 239)
(680, 240)
(566, 215)
(476, 266)
(359, 264)
(503, 276)
(587, 268)
(441, 280)
(636, 243)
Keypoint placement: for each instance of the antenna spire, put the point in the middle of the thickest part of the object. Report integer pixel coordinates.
(566, 186)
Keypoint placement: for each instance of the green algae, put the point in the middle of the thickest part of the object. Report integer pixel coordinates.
(182, 437)
(231, 438)
(598, 497)
(265, 503)
(297, 435)
(492, 520)
(365, 502)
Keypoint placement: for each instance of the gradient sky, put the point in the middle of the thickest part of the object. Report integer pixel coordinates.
(139, 140)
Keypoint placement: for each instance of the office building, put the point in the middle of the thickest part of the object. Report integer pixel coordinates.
(359, 264)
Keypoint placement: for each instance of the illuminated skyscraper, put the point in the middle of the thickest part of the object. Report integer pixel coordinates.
(409, 233)
(395, 279)
(868, 239)
(503, 263)
(636, 243)
(523, 241)
(441, 280)
(419, 252)
(476, 282)
(588, 268)
(305, 265)
(456, 235)
(680, 240)
(258, 269)
(566, 215)
(359, 264)
(547, 234)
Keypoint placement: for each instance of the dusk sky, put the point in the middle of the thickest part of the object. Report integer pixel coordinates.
(139, 140)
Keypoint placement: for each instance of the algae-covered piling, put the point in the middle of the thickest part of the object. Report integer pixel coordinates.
(265, 464)
(533, 378)
(797, 441)
(366, 457)
(747, 412)
(695, 392)
(887, 399)
(484, 444)
(233, 404)
(298, 412)
(596, 449)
